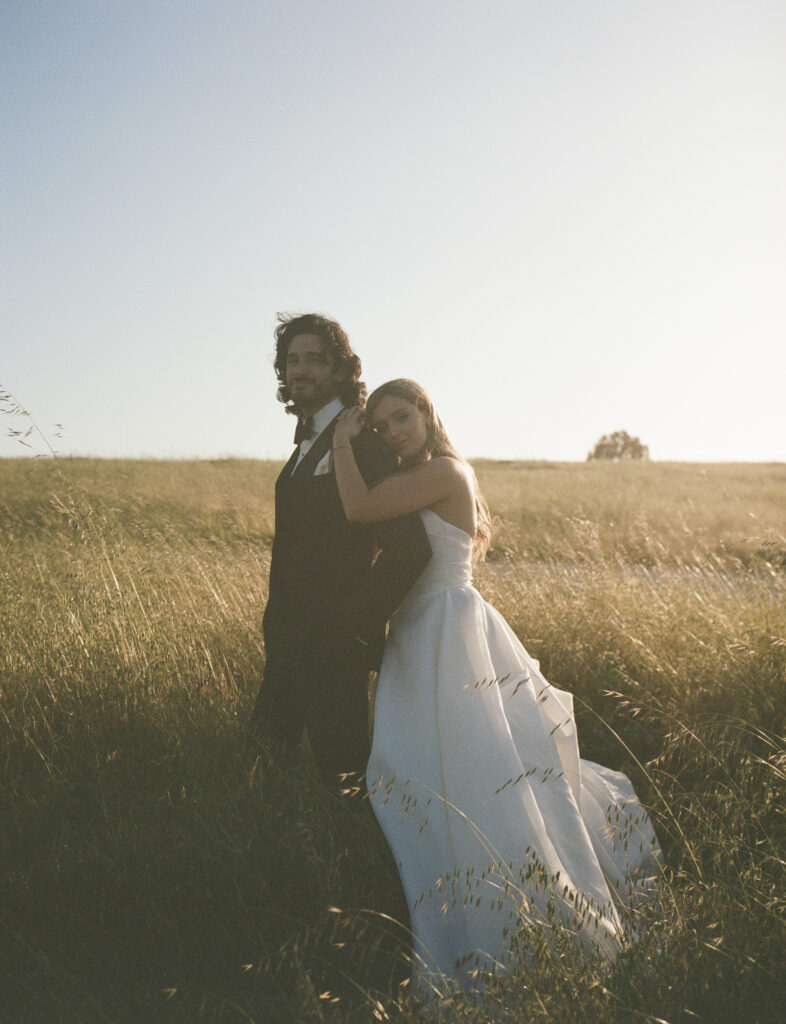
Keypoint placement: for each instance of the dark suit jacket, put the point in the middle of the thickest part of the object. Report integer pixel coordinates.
(327, 590)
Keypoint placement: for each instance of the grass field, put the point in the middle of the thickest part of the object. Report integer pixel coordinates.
(155, 868)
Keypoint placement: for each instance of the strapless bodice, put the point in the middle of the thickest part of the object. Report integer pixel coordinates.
(451, 557)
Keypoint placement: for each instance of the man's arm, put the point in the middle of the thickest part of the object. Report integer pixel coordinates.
(404, 550)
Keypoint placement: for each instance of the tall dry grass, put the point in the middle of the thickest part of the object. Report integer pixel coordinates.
(154, 866)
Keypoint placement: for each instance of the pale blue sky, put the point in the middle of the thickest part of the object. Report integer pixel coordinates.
(562, 217)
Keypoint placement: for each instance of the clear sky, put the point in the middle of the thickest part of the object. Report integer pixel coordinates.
(563, 217)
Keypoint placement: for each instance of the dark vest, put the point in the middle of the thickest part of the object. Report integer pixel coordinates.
(318, 557)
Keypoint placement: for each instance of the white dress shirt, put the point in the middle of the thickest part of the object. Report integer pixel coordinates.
(322, 419)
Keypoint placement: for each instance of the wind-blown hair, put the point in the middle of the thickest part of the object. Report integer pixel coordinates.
(337, 346)
(437, 443)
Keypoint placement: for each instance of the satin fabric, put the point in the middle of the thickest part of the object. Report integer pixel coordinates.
(475, 777)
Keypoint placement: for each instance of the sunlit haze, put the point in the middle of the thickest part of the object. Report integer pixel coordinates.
(562, 218)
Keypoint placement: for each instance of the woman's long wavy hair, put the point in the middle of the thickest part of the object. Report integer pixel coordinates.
(437, 443)
(337, 346)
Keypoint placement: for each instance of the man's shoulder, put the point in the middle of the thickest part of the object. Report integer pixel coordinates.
(368, 442)
(372, 453)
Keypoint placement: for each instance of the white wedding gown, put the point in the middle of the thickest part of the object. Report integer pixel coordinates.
(476, 780)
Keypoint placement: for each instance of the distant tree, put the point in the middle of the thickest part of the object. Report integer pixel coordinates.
(619, 445)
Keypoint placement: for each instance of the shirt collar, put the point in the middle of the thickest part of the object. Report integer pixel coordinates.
(326, 415)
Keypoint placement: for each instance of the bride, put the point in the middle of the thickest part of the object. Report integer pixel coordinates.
(495, 822)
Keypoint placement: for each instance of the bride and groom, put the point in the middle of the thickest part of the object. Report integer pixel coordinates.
(474, 774)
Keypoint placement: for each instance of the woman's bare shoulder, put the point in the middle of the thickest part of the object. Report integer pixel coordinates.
(456, 467)
(451, 472)
(441, 465)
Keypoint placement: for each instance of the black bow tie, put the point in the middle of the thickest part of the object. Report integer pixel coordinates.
(304, 430)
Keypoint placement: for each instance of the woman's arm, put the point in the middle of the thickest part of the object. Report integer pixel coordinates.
(398, 495)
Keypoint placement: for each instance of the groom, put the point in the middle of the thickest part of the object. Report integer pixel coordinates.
(333, 584)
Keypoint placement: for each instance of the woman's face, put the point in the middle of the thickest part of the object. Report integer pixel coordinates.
(402, 426)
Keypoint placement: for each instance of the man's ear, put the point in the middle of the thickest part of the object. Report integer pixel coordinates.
(340, 374)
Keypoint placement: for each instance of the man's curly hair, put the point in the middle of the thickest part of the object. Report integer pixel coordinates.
(353, 390)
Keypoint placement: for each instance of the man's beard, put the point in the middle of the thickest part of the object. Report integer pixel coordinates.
(313, 398)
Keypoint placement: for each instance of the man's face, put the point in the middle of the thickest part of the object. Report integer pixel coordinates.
(312, 378)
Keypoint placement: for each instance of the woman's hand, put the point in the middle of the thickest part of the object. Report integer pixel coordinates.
(349, 425)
